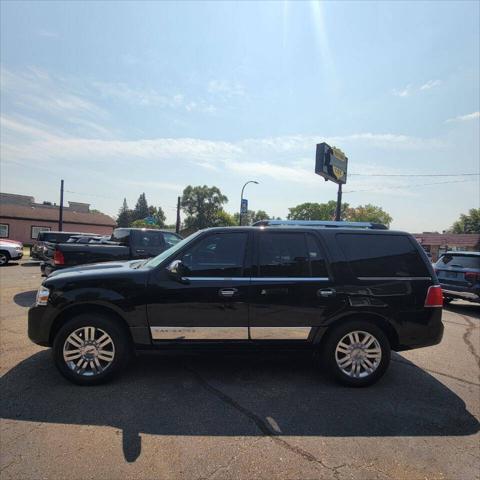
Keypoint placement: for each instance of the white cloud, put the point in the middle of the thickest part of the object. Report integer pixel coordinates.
(283, 159)
(35, 89)
(464, 118)
(404, 92)
(430, 84)
(411, 89)
(149, 97)
(226, 88)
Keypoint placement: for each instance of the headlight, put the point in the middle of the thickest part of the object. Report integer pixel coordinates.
(42, 296)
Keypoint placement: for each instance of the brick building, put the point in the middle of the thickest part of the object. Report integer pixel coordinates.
(21, 218)
(438, 243)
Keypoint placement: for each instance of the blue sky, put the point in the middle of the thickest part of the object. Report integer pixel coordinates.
(119, 98)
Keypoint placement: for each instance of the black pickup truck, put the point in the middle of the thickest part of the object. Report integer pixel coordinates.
(47, 240)
(124, 244)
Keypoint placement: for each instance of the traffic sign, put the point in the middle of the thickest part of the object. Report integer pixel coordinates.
(244, 206)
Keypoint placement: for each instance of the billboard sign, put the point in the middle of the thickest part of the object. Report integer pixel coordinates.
(331, 163)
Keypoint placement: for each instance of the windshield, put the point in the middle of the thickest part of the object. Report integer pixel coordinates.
(155, 261)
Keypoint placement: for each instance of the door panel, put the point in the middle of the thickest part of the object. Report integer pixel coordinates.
(288, 291)
(207, 304)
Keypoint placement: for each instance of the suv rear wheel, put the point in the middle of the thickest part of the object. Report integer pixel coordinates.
(356, 353)
(90, 349)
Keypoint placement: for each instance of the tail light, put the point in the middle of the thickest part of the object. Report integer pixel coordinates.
(472, 277)
(434, 296)
(58, 258)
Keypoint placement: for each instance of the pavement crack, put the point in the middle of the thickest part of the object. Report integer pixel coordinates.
(226, 465)
(467, 340)
(411, 365)
(263, 426)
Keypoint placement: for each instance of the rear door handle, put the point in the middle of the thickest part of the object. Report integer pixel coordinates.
(326, 292)
(227, 292)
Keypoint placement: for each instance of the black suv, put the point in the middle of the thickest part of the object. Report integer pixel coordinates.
(349, 295)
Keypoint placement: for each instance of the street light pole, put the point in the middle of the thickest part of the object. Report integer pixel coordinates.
(241, 200)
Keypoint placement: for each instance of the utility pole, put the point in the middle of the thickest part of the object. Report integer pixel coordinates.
(177, 225)
(338, 211)
(60, 212)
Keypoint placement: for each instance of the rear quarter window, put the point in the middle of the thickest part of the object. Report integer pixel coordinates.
(373, 255)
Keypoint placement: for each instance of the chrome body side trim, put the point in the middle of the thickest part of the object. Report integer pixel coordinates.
(259, 279)
(279, 333)
(199, 333)
(395, 278)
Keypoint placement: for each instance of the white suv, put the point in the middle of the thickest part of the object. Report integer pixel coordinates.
(10, 250)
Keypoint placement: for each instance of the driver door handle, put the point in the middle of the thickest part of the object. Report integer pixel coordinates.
(227, 292)
(326, 292)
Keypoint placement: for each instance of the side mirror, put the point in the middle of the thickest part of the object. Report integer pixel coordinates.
(178, 271)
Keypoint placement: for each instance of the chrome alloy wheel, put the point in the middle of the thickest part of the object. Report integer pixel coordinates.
(88, 351)
(358, 354)
(3, 259)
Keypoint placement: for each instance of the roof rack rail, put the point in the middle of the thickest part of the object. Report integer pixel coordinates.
(319, 223)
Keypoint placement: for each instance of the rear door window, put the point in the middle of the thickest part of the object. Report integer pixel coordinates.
(459, 261)
(373, 255)
(283, 255)
(316, 256)
(149, 239)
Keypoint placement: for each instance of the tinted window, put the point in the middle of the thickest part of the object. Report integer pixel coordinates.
(461, 261)
(121, 235)
(283, 255)
(217, 255)
(149, 239)
(317, 259)
(171, 239)
(54, 237)
(382, 255)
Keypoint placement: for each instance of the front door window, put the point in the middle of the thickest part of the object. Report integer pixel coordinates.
(218, 255)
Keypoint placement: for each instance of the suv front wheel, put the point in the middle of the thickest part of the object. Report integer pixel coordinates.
(90, 349)
(356, 353)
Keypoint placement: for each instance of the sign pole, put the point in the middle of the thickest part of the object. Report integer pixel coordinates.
(177, 224)
(338, 211)
(60, 210)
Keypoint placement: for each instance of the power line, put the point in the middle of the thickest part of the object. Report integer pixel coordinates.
(415, 174)
(89, 194)
(409, 186)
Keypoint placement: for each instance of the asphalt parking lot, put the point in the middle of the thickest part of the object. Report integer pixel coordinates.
(211, 417)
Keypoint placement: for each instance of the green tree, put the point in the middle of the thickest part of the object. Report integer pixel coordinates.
(251, 216)
(202, 205)
(468, 223)
(368, 213)
(316, 211)
(224, 219)
(143, 224)
(141, 208)
(124, 215)
(160, 217)
(157, 214)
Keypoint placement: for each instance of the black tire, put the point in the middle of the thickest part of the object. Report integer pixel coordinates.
(102, 324)
(4, 258)
(328, 354)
